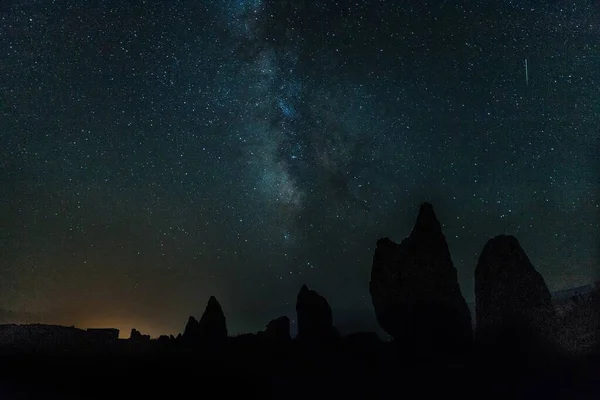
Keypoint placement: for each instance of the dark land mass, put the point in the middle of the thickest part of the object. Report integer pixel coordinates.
(524, 345)
(247, 366)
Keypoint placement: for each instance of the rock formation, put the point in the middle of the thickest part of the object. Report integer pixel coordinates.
(277, 329)
(191, 330)
(137, 336)
(509, 292)
(315, 320)
(164, 339)
(212, 326)
(415, 291)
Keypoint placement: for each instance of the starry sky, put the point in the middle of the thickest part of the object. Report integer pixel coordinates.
(154, 153)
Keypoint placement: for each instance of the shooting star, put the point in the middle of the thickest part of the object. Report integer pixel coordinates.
(526, 73)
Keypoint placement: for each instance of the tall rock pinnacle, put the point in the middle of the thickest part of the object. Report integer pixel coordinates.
(415, 291)
(315, 319)
(212, 326)
(508, 289)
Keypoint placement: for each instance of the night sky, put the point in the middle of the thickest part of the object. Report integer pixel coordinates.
(154, 153)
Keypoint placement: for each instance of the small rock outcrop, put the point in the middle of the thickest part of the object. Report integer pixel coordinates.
(191, 330)
(163, 340)
(315, 319)
(137, 336)
(511, 295)
(415, 290)
(277, 329)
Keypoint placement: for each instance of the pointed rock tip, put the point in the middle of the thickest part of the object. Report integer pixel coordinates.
(426, 209)
(304, 288)
(427, 220)
(426, 205)
(213, 303)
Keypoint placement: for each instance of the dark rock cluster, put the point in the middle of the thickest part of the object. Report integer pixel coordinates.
(417, 301)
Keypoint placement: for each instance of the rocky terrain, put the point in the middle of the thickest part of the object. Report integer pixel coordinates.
(524, 344)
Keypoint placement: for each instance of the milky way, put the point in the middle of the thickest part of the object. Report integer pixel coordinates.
(157, 153)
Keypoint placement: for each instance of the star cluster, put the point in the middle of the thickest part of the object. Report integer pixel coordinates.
(156, 153)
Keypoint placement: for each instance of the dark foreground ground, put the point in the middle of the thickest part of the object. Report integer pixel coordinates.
(291, 371)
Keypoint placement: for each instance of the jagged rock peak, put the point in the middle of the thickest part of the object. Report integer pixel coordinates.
(426, 220)
(137, 336)
(191, 329)
(310, 298)
(191, 325)
(213, 304)
(315, 318)
(415, 291)
(213, 324)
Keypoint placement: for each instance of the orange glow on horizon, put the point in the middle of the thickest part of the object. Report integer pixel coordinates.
(124, 325)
